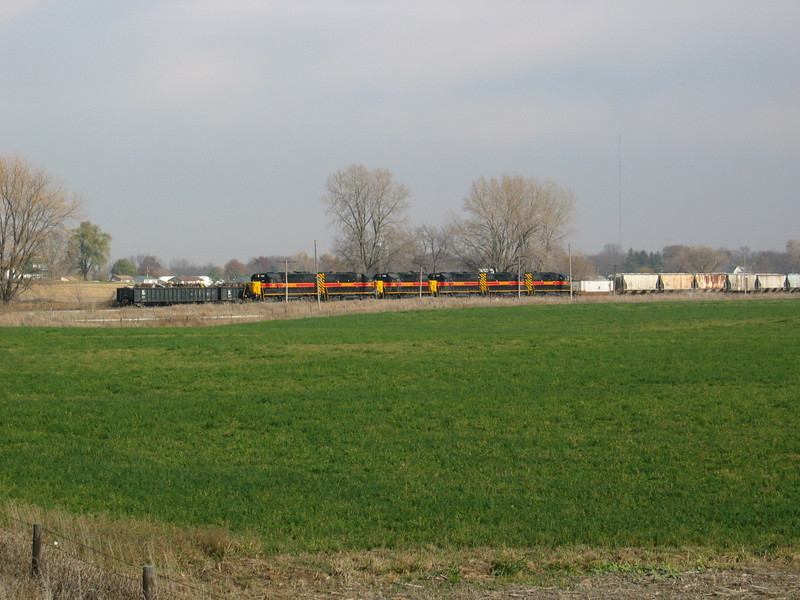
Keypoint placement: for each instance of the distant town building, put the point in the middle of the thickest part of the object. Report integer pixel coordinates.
(121, 278)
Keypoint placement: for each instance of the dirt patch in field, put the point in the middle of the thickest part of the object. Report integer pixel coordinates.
(258, 579)
(72, 291)
(684, 586)
(252, 581)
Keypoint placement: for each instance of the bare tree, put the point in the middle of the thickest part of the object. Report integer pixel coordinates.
(744, 254)
(557, 207)
(181, 266)
(148, 265)
(672, 258)
(235, 269)
(329, 262)
(261, 264)
(369, 210)
(511, 219)
(433, 246)
(301, 261)
(582, 266)
(33, 207)
(701, 259)
(55, 253)
(609, 260)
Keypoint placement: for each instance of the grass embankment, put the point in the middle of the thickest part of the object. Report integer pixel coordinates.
(654, 425)
(70, 291)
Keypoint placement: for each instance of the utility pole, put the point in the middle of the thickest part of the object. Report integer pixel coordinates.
(569, 248)
(619, 174)
(316, 276)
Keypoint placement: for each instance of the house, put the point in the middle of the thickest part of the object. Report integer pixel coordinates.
(121, 278)
(146, 280)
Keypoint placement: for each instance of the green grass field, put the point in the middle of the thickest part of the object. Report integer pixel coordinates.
(636, 424)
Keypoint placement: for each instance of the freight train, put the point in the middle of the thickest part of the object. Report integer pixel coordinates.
(347, 286)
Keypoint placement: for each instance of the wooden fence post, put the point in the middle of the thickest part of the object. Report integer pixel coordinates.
(37, 549)
(148, 582)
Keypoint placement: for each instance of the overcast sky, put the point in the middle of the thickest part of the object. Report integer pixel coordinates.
(206, 130)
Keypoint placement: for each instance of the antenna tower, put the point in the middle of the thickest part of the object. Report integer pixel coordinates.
(619, 176)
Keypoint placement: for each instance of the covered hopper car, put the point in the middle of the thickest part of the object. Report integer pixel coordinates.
(635, 283)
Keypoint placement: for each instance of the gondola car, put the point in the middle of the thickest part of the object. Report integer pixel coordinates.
(164, 295)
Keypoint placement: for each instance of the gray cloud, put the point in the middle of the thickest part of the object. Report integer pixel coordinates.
(206, 130)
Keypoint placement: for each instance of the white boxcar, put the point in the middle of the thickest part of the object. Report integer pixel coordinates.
(677, 282)
(711, 282)
(599, 286)
(793, 282)
(770, 282)
(742, 282)
(634, 283)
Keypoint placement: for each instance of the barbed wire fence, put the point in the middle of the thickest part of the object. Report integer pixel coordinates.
(66, 568)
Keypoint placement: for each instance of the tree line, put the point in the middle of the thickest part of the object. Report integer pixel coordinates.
(507, 223)
(612, 259)
(233, 270)
(696, 259)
